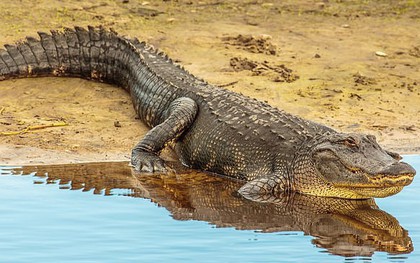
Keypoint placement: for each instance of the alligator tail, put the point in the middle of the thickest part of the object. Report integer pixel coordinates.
(99, 54)
(94, 53)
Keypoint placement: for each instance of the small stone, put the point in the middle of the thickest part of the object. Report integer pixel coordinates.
(317, 56)
(345, 26)
(381, 54)
(266, 37)
(117, 124)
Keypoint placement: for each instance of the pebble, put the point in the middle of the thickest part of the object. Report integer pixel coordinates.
(117, 124)
(266, 36)
(381, 54)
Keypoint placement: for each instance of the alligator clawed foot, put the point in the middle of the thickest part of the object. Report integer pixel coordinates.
(149, 163)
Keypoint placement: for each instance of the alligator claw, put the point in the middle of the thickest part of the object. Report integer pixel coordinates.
(148, 163)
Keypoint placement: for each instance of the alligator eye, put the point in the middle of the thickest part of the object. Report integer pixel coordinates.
(349, 142)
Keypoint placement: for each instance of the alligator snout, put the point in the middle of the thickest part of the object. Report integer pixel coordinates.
(396, 174)
(399, 169)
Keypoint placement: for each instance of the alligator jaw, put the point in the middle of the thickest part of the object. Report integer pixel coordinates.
(369, 192)
(391, 180)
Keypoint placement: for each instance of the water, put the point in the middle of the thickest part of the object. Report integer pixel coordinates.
(109, 215)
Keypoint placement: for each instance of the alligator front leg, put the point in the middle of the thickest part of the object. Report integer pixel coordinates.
(177, 118)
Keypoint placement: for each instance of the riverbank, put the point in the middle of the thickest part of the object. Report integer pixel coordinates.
(352, 66)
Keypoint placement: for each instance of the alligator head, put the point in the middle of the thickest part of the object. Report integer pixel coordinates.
(353, 166)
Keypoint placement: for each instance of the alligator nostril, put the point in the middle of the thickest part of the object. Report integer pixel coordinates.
(396, 156)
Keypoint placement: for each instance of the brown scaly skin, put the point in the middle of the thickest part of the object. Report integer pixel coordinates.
(341, 226)
(210, 128)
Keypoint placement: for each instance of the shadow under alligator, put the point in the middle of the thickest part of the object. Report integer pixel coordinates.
(343, 227)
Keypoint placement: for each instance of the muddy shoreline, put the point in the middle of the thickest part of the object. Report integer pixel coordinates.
(354, 66)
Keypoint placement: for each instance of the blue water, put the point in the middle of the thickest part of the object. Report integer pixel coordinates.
(39, 222)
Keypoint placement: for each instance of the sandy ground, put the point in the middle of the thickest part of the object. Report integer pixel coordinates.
(352, 65)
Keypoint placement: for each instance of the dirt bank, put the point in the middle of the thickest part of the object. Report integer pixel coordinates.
(352, 65)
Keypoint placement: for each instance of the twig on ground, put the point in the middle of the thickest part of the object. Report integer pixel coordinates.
(32, 128)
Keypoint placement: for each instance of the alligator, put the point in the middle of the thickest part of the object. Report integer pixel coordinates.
(345, 227)
(210, 128)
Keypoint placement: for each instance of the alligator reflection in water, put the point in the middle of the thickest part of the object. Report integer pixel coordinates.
(343, 227)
